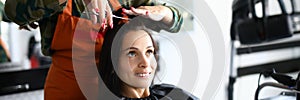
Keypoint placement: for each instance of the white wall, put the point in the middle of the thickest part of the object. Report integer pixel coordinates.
(17, 41)
(244, 87)
(194, 36)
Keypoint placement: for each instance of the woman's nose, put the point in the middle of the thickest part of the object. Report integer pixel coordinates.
(144, 61)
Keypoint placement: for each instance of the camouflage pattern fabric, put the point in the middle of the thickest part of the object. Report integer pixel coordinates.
(45, 12)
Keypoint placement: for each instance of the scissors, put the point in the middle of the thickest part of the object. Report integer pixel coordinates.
(121, 17)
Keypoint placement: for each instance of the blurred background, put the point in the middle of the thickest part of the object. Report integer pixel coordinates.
(187, 58)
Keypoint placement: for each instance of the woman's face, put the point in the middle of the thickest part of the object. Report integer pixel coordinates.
(137, 62)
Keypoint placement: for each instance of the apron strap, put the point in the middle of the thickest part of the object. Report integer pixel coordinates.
(68, 10)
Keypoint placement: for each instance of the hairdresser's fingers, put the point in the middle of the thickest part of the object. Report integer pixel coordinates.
(128, 12)
(134, 11)
(139, 11)
(109, 16)
(156, 13)
(94, 11)
(102, 12)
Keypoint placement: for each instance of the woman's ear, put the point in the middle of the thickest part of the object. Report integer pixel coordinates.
(156, 56)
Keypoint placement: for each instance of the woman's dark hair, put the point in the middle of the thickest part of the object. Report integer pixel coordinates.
(113, 39)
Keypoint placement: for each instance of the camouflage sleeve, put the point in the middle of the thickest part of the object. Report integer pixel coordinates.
(177, 20)
(23, 12)
(158, 26)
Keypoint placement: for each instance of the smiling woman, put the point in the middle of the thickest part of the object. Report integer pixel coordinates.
(128, 64)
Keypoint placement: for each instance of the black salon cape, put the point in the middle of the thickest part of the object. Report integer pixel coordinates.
(165, 92)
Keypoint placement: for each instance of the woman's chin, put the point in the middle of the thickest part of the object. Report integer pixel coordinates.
(141, 84)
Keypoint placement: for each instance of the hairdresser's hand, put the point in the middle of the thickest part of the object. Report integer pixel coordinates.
(100, 12)
(156, 13)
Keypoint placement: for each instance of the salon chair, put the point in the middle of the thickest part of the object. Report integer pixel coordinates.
(252, 30)
(283, 82)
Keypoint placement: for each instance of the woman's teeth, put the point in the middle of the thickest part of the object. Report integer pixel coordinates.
(143, 74)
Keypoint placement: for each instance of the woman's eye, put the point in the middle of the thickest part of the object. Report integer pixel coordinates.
(131, 54)
(149, 52)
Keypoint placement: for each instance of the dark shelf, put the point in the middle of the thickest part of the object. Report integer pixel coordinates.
(286, 66)
(22, 80)
(252, 49)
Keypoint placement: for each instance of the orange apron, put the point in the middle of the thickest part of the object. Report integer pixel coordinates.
(73, 73)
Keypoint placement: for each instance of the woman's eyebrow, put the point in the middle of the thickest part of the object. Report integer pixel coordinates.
(149, 47)
(131, 48)
(136, 48)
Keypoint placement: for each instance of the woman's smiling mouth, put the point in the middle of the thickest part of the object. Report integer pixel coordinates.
(143, 74)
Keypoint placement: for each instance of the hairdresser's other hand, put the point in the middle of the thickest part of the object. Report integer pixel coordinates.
(100, 12)
(156, 13)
